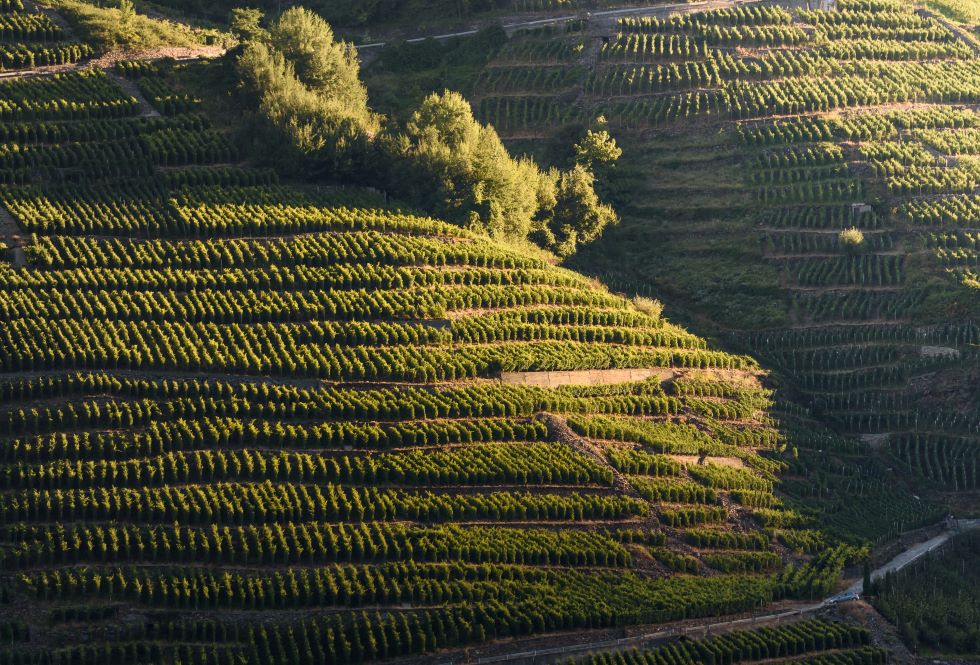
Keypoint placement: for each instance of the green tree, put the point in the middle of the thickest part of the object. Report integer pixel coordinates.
(447, 162)
(314, 118)
(578, 217)
(597, 150)
(246, 24)
(127, 12)
(307, 90)
(329, 67)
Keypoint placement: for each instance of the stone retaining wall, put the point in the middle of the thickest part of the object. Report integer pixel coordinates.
(586, 377)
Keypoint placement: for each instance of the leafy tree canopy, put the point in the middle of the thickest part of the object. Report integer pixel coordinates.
(578, 217)
(447, 162)
(308, 90)
(597, 149)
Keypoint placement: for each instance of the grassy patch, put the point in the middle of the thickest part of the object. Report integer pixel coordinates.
(964, 11)
(111, 27)
(401, 75)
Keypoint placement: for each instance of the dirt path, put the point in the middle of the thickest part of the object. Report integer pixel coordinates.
(147, 110)
(8, 226)
(949, 25)
(159, 53)
(559, 430)
(692, 460)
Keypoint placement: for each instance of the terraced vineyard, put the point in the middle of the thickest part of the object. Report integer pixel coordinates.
(813, 641)
(802, 182)
(29, 40)
(931, 602)
(251, 422)
(246, 420)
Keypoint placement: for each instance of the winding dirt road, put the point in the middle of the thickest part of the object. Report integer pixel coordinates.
(853, 592)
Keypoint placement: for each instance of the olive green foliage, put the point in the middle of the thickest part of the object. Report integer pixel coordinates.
(308, 91)
(649, 306)
(597, 148)
(246, 24)
(216, 10)
(127, 13)
(447, 162)
(314, 107)
(117, 24)
(578, 216)
(964, 11)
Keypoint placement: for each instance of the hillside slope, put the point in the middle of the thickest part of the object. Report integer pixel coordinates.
(253, 422)
(800, 183)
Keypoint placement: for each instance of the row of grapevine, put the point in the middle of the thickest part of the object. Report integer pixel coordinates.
(951, 141)
(866, 126)
(84, 95)
(164, 148)
(184, 397)
(672, 490)
(514, 114)
(17, 27)
(134, 69)
(736, 16)
(879, 19)
(268, 503)
(710, 72)
(785, 641)
(867, 270)
(248, 306)
(309, 543)
(857, 305)
(663, 109)
(95, 130)
(506, 464)
(198, 211)
(166, 100)
(952, 334)
(691, 516)
(29, 56)
(537, 52)
(498, 80)
(952, 461)
(799, 242)
(357, 247)
(643, 47)
(894, 49)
